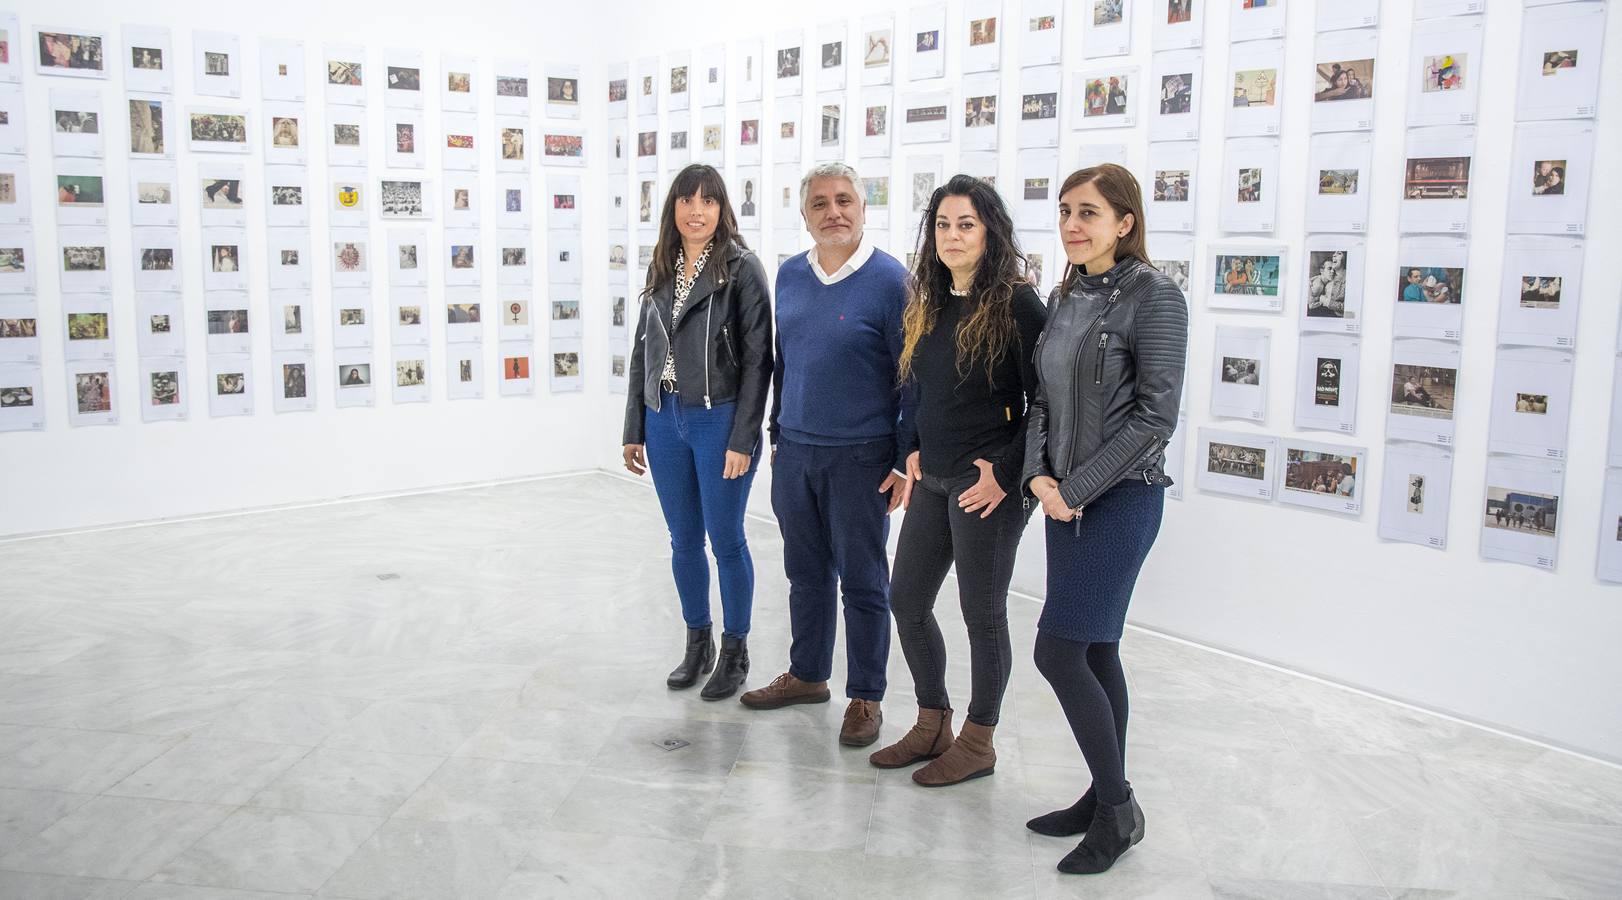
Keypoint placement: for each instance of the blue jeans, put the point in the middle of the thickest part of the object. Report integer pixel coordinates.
(686, 447)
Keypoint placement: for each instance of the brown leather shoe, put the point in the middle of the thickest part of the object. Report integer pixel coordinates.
(927, 740)
(786, 690)
(862, 721)
(970, 756)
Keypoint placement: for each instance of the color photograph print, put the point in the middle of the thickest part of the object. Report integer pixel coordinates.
(1425, 391)
(1347, 80)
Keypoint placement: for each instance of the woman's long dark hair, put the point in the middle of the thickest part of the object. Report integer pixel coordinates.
(985, 333)
(695, 179)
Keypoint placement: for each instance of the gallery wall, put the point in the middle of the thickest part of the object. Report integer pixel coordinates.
(261, 449)
(1527, 647)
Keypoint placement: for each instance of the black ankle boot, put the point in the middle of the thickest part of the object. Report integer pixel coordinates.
(1075, 819)
(731, 668)
(700, 657)
(1114, 830)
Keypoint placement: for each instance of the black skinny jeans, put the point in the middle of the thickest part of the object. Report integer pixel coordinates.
(936, 532)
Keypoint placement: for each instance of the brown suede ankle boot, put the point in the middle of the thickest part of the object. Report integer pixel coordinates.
(928, 739)
(970, 756)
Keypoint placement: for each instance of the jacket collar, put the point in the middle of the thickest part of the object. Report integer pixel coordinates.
(716, 273)
(1123, 275)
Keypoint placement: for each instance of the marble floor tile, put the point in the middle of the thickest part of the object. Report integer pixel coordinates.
(491, 792)
(412, 860)
(1409, 848)
(572, 866)
(356, 782)
(1283, 843)
(1122, 882)
(24, 814)
(538, 735)
(1265, 889)
(721, 872)
(676, 806)
(775, 741)
(35, 886)
(84, 762)
(977, 821)
(406, 726)
(116, 837)
(210, 771)
(287, 851)
(1585, 861)
(152, 891)
(635, 745)
(778, 807)
(277, 718)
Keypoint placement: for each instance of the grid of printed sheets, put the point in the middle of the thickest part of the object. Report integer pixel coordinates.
(227, 160)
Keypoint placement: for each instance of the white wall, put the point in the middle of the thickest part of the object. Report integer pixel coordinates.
(1520, 649)
(68, 477)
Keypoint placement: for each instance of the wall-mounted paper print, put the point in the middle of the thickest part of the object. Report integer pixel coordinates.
(71, 52)
(464, 371)
(19, 264)
(149, 60)
(1247, 275)
(1039, 106)
(1254, 75)
(156, 255)
(750, 194)
(1035, 191)
(1327, 368)
(281, 70)
(11, 36)
(784, 199)
(788, 50)
(351, 255)
(1173, 255)
(648, 199)
(677, 80)
(16, 207)
(563, 145)
(1178, 24)
(747, 69)
(403, 74)
(831, 126)
(347, 134)
(1521, 516)
(926, 41)
(291, 320)
(513, 308)
(512, 144)
(216, 64)
(1428, 287)
(351, 318)
(464, 315)
(516, 375)
(1250, 185)
(13, 119)
(564, 257)
(1107, 98)
(878, 43)
(1423, 382)
(563, 304)
(406, 255)
(619, 151)
(77, 123)
(1338, 186)
(460, 200)
(709, 75)
(408, 316)
(288, 258)
(1436, 9)
(1255, 20)
(1444, 72)
(1043, 263)
(1174, 458)
(514, 258)
(711, 136)
(348, 198)
(19, 329)
(1236, 462)
(1173, 167)
(22, 397)
(462, 141)
(875, 137)
(230, 321)
(165, 394)
(347, 72)
(831, 56)
(221, 195)
(618, 90)
(678, 148)
(747, 134)
(981, 99)
(924, 175)
(410, 382)
(512, 88)
(1332, 288)
(1531, 402)
(1176, 116)
(81, 195)
(1560, 62)
(876, 191)
(1542, 283)
(293, 381)
(1106, 28)
(1550, 176)
(405, 139)
(1415, 495)
(1322, 476)
(405, 198)
(566, 372)
(926, 118)
(618, 352)
(982, 39)
(458, 84)
(91, 397)
(564, 200)
(647, 144)
(83, 263)
(1436, 180)
(787, 135)
(1240, 374)
(619, 302)
(982, 165)
(1337, 15)
(286, 129)
(645, 84)
(353, 370)
(1608, 562)
(87, 326)
(1343, 81)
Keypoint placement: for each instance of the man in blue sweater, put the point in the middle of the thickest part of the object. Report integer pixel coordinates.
(841, 431)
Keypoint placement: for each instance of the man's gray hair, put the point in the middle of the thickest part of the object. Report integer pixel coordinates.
(832, 170)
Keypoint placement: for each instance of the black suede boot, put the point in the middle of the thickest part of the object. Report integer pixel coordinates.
(698, 660)
(1075, 819)
(731, 668)
(1114, 830)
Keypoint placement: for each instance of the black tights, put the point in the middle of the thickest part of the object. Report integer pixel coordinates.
(1092, 690)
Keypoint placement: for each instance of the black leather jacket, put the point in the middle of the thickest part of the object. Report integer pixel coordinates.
(1109, 378)
(723, 341)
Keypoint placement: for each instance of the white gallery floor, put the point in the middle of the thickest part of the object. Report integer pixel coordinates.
(460, 695)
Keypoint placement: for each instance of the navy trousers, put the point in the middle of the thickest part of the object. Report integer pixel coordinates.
(834, 523)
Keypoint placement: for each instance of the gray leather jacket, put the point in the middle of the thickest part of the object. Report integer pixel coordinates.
(1109, 379)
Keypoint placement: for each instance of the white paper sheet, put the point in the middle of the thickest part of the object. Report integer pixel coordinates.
(831, 124)
(351, 318)
(515, 313)
(217, 64)
(748, 69)
(1420, 392)
(1105, 98)
(1542, 284)
(160, 324)
(517, 376)
(19, 329)
(222, 195)
(1435, 9)
(78, 123)
(291, 320)
(1445, 69)
(1236, 462)
(618, 354)
(1041, 22)
(563, 91)
(460, 201)
(1043, 263)
(92, 394)
(464, 371)
(151, 120)
(87, 326)
(406, 256)
(82, 260)
(1178, 24)
(17, 209)
(513, 148)
(1343, 86)
(1551, 174)
(1037, 187)
(1247, 275)
(926, 117)
(1436, 180)
(405, 198)
(11, 67)
(514, 256)
(1173, 254)
(231, 385)
(1414, 494)
(286, 198)
(514, 198)
(710, 75)
(927, 45)
(617, 96)
(464, 315)
(750, 197)
(1531, 402)
(1255, 71)
(1521, 517)
(784, 199)
(512, 88)
(832, 56)
(1428, 287)
(355, 376)
(876, 188)
(878, 112)
(645, 84)
(293, 381)
(229, 321)
(81, 192)
(347, 135)
(982, 35)
(788, 59)
(564, 366)
(459, 84)
(1329, 477)
(1338, 180)
(788, 130)
(982, 100)
(403, 78)
(1172, 185)
(712, 136)
(564, 261)
(14, 121)
(1240, 373)
(1039, 106)
(1250, 185)
(286, 129)
(1177, 77)
(22, 397)
(877, 49)
(281, 70)
(350, 252)
(1327, 371)
(288, 258)
(1332, 284)
(156, 255)
(19, 262)
(460, 150)
(411, 367)
(165, 389)
(405, 139)
(1560, 62)
(563, 311)
(677, 81)
(1334, 15)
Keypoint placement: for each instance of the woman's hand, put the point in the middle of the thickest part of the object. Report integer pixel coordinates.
(736, 464)
(914, 472)
(636, 461)
(1053, 506)
(985, 494)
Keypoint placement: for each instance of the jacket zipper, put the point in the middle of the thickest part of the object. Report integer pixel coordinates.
(653, 308)
(707, 308)
(726, 341)
(1103, 346)
(1080, 349)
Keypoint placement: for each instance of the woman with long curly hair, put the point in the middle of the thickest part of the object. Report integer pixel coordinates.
(969, 334)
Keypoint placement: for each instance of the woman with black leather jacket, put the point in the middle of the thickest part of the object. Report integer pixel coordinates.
(1109, 377)
(699, 372)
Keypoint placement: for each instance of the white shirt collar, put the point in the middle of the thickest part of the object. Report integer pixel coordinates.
(864, 252)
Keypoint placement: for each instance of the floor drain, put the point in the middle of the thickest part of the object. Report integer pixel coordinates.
(669, 744)
(388, 576)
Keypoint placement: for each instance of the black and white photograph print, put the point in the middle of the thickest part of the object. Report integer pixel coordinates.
(284, 131)
(220, 128)
(1425, 391)
(216, 64)
(70, 121)
(1238, 370)
(345, 134)
(404, 78)
(84, 259)
(1416, 493)
(1236, 460)
(833, 54)
(1540, 291)
(286, 195)
(230, 383)
(1326, 388)
(146, 58)
(1326, 288)
(1176, 93)
(165, 388)
(354, 375)
(408, 256)
(566, 365)
(461, 313)
(512, 86)
(401, 199)
(224, 258)
(351, 316)
(1533, 404)
(227, 321)
(292, 318)
(1171, 185)
(294, 381)
(16, 397)
(1043, 105)
(222, 193)
(410, 373)
(1527, 511)
(788, 62)
(1437, 178)
(157, 259)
